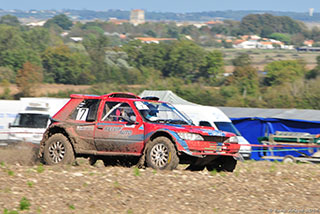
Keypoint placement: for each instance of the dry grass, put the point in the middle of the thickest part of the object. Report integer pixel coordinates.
(45, 89)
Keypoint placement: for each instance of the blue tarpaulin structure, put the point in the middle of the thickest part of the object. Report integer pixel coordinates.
(254, 127)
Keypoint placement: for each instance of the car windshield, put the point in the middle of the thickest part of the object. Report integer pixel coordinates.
(161, 113)
(227, 127)
(31, 121)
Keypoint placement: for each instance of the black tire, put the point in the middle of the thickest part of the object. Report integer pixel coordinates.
(226, 163)
(193, 167)
(289, 159)
(58, 150)
(161, 154)
(110, 161)
(92, 160)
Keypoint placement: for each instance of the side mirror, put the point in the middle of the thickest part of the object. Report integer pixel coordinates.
(9, 125)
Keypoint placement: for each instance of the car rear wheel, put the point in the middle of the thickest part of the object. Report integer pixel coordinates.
(161, 154)
(226, 163)
(58, 150)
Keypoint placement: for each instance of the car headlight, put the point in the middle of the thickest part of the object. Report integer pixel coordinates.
(190, 136)
(232, 139)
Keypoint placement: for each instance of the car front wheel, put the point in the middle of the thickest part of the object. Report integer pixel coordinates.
(161, 154)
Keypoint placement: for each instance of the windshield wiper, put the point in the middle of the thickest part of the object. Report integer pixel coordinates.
(178, 122)
(162, 121)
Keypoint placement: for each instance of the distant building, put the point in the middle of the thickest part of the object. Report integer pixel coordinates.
(137, 17)
(308, 43)
(36, 24)
(150, 40)
(118, 21)
(76, 39)
(311, 11)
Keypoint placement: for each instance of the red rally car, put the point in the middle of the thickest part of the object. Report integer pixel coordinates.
(124, 126)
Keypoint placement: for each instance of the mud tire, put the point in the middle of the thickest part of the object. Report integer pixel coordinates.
(92, 160)
(163, 149)
(226, 164)
(194, 167)
(289, 159)
(58, 150)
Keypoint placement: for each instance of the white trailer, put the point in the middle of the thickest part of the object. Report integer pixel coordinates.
(33, 118)
(8, 111)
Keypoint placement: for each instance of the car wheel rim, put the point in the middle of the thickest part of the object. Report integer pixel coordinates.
(159, 155)
(57, 151)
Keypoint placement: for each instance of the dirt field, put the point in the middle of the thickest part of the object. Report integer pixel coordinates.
(254, 187)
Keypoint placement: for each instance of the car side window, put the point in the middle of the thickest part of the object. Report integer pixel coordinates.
(117, 111)
(86, 111)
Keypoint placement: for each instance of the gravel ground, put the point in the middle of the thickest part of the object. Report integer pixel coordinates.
(254, 187)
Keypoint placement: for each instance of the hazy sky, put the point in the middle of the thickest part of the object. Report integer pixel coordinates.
(165, 5)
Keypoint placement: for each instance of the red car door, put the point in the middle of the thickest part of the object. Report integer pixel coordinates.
(119, 129)
(83, 120)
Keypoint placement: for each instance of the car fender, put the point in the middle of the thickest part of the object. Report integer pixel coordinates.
(179, 143)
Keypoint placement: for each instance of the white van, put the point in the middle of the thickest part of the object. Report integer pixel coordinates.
(34, 117)
(214, 117)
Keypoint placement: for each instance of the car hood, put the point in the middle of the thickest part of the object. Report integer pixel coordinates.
(205, 131)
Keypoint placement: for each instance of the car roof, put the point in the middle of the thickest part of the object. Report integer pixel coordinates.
(116, 95)
(110, 95)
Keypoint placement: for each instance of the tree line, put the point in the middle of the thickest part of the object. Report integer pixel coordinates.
(31, 55)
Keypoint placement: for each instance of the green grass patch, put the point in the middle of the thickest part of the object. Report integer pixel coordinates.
(116, 185)
(213, 172)
(136, 171)
(24, 204)
(10, 172)
(222, 174)
(40, 168)
(30, 183)
(6, 211)
(273, 168)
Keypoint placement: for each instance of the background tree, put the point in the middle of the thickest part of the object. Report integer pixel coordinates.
(61, 20)
(10, 38)
(266, 24)
(96, 46)
(184, 60)
(314, 73)
(241, 60)
(5, 95)
(242, 88)
(279, 72)
(37, 38)
(64, 66)
(285, 38)
(7, 74)
(9, 20)
(27, 79)
(14, 51)
(212, 65)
